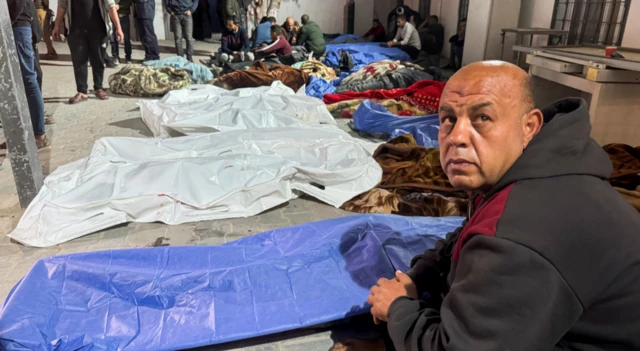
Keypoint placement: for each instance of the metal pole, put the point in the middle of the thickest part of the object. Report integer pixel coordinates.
(16, 121)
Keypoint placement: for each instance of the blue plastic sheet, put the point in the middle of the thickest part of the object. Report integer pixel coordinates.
(374, 118)
(364, 54)
(318, 87)
(180, 297)
(348, 38)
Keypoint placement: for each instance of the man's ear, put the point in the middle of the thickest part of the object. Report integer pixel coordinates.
(531, 125)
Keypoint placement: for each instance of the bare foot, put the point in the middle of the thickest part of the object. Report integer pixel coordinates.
(359, 345)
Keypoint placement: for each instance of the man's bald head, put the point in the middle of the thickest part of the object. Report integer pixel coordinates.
(487, 118)
(511, 79)
(291, 21)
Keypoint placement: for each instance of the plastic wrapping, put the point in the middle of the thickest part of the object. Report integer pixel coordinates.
(189, 179)
(374, 118)
(364, 53)
(172, 298)
(207, 109)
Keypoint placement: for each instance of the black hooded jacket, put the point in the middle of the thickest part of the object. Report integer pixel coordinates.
(548, 260)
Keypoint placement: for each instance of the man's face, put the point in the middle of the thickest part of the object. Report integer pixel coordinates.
(481, 127)
(290, 22)
(232, 27)
(462, 27)
(431, 21)
(401, 23)
(274, 35)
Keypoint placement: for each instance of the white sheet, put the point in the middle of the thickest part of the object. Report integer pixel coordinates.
(207, 109)
(214, 176)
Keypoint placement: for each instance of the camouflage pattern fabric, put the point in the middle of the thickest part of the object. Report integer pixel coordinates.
(144, 81)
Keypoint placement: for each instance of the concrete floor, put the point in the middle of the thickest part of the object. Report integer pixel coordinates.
(72, 137)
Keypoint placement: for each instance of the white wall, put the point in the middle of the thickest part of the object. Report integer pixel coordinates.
(477, 30)
(364, 16)
(536, 13)
(447, 11)
(631, 38)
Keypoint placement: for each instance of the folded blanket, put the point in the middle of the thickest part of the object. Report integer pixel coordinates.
(346, 109)
(146, 81)
(413, 183)
(200, 74)
(626, 171)
(317, 69)
(424, 94)
(378, 69)
(261, 75)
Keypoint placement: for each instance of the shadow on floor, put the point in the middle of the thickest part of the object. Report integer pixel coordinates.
(166, 49)
(134, 124)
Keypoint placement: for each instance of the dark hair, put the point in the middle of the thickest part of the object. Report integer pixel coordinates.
(401, 17)
(304, 19)
(435, 17)
(264, 19)
(272, 19)
(376, 20)
(233, 19)
(276, 29)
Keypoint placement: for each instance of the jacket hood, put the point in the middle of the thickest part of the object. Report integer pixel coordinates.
(562, 147)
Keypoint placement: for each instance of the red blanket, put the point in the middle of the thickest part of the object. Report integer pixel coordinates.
(424, 94)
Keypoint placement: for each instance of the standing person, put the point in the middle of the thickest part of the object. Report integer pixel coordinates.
(262, 34)
(144, 13)
(181, 12)
(407, 38)
(89, 24)
(22, 14)
(235, 9)
(457, 46)
(124, 12)
(235, 44)
(278, 45)
(44, 18)
(312, 37)
(377, 32)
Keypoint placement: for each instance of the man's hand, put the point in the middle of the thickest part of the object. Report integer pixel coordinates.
(117, 7)
(242, 56)
(383, 294)
(188, 12)
(391, 44)
(119, 35)
(55, 33)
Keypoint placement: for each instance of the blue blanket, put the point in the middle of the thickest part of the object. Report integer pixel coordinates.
(199, 73)
(374, 118)
(180, 297)
(363, 54)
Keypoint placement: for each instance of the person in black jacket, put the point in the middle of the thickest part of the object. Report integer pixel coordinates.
(457, 46)
(549, 256)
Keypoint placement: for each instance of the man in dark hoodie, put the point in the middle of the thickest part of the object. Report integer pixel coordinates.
(549, 258)
(181, 12)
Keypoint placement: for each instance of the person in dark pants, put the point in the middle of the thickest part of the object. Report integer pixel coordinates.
(457, 47)
(124, 11)
(90, 24)
(145, 11)
(22, 14)
(181, 12)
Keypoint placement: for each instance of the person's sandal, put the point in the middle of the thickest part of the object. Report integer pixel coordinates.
(102, 95)
(78, 99)
(42, 143)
